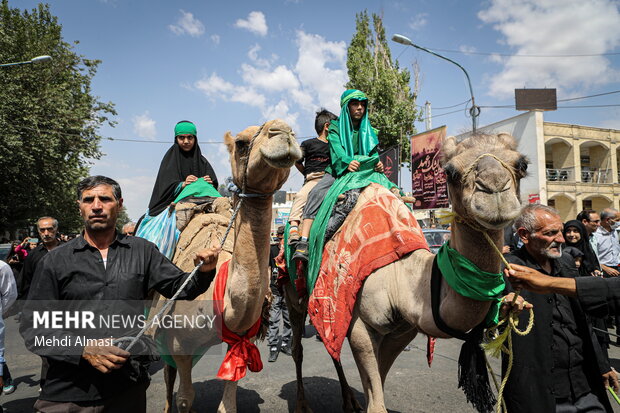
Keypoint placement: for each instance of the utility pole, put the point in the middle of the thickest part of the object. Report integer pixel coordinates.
(428, 118)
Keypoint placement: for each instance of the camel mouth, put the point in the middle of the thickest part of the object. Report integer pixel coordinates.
(279, 161)
(281, 154)
(494, 211)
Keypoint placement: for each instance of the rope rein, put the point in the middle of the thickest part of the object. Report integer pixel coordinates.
(241, 195)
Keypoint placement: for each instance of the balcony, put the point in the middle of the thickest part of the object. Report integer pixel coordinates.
(597, 176)
(561, 174)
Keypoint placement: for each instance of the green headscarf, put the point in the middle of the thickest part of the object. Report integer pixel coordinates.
(184, 127)
(367, 137)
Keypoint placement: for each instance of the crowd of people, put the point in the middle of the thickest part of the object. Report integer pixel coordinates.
(562, 365)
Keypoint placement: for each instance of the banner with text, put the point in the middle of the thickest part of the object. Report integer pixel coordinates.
(429, 186)
(391, 160)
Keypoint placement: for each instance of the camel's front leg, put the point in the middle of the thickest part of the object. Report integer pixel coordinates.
(186, 394)
(349, 402)
(170, 375)
(298, 319)
(229, 399)
(364, 344)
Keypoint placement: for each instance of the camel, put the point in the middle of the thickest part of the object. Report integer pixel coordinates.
(394, 303)
(261, 158)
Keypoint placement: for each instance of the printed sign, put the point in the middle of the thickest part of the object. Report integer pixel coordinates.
(429, 184)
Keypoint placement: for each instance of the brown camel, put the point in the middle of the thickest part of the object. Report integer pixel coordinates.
(394, 304)
(272, 151)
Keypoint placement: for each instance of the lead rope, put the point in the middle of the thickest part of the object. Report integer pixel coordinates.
(242, 195)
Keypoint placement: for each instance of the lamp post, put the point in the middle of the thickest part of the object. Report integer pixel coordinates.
(474, 111)
(36, 60)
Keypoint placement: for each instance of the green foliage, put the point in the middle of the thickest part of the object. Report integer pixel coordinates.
(371, 70)
(122, 219)
(49, 120)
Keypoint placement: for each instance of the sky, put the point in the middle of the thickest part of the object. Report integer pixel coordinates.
(228, 65)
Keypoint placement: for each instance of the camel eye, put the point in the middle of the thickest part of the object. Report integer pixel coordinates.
(242, 147)
(521, 165)
(452, 173)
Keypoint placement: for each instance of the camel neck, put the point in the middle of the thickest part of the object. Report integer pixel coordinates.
(474, 246)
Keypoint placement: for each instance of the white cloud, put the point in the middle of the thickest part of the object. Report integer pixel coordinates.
(144, 126)
(215, 38)
(279, 79)
(549, 27)
(255, 23)
(188, 24)
(321, 68)
(418, 21)
(136, 194)
(289, 93)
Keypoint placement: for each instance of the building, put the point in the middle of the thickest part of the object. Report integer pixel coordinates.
(572, 167)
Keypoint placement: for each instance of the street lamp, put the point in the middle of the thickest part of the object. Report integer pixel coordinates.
(36, 60)
(474, 111)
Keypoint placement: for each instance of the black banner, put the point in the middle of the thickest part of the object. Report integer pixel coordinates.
(390, 159)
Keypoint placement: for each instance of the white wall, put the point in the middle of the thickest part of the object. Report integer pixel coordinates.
(527, 129)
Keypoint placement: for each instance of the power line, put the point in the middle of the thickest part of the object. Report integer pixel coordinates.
(523, 55)
(130, 140)
(559, 107)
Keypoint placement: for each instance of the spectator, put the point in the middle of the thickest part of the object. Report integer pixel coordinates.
(8, 294)
(278, 310)
(129, 228)
(559, 365)
(591, 220)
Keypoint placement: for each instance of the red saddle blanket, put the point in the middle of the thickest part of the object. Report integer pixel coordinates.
(378, 231)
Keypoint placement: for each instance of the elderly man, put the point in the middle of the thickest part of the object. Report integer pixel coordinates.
(99, 266)
(129, 228)
(559, 366)
(48, 231)
(607, 246)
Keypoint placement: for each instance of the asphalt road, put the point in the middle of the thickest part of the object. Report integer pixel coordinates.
(411, 385)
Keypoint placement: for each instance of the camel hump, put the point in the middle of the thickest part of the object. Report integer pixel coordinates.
(205, 227)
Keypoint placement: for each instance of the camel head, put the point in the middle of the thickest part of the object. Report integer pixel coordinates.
(483, 174)
(269, 151)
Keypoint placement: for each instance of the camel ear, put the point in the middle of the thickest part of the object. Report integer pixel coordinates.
(229, 140)
(448, 149)
(507, 140)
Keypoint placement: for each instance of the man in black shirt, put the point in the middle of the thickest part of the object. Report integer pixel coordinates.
(313, 163)
(102, 265)
(559, 366)
(48, 233)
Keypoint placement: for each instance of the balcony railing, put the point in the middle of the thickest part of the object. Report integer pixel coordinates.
(561, 174)
(597, 176)
(591, 175)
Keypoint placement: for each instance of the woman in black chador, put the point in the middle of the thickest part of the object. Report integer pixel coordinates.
(182, 165)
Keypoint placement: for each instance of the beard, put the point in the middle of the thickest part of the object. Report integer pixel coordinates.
(553, 251)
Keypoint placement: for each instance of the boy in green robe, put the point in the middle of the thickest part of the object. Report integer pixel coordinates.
(349, 135)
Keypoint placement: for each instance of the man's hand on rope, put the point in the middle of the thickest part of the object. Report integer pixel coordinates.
(532, 280)
(518, 306)
(105, 358)
(209, 258)
(610, 379)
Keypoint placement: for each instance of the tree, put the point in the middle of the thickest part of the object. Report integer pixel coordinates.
(122, 219)
(371, 70)
(49, 120)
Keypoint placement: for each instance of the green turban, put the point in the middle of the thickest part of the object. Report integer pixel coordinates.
(184, 128)
(367, 137)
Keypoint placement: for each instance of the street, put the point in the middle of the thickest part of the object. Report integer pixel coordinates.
(410, 387)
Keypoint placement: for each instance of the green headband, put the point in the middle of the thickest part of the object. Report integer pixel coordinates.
(184, 128)
(351, 94)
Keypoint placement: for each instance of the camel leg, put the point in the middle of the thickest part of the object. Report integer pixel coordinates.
(298, 319)
(364, 345)
(185, 394)
(229, 398)
(390, 348)
(170, 375)
(349, 402)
